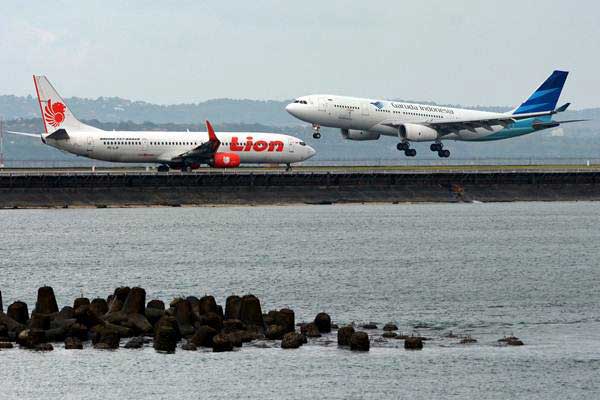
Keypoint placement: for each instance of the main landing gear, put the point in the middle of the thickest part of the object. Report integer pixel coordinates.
(405, 146)
(288, 167)
(162, 168)
(439, 147)
(316, 131)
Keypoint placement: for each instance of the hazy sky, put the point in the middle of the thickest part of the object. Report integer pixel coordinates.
(469, 52)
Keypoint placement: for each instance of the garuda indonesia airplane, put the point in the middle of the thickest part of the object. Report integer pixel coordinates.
(368, 119)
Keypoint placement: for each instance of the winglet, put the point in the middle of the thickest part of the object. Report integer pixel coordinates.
(562, 108)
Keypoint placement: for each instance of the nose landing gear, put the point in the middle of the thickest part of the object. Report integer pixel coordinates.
(405, 146)
(439, 147)
(316, 131)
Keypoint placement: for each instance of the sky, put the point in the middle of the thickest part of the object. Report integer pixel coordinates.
(166, 52)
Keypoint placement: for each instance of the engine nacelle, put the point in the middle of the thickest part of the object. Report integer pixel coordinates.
(417, 133)
(351, 134)
(225, 160)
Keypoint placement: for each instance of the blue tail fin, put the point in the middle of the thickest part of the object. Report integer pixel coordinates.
(546, 97)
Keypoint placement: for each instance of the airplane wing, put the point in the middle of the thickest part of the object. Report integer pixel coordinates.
(448, 126)
(203, 152)
(35, 135)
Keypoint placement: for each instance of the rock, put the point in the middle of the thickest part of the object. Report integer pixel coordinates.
(80, 301)
(106, 337)
(236, 338)
(6, 345)
(274, 332)
(370, 325)
(310, 330)
(208, 305)
(334, 326)
(323, 322)
(511, 341)
(135, 303)
(165, 339)
(156, 304)
(250, 312)
(189, 346)
(389, 334)
(1, 305)
(222, 342)
(135, 343)
(233, 325)
(183, 315)
(203, 336)
(169, 321)
(390, 326)
(467, 340)
(359, 341)
(44, 347)
(3, 331)
(284, 318)
(46, 301)
(40, 321)
(413, 343)
(292, 340)
(79, 331)
(99, 306)
(13, 327)
(56, 334)
(233, 305)
(211, 319)
(195, 305)
(115, 305)
(65, 313)
(514, 342)
(29, 338)
(249, 335)
(18, 312)
(219, 311)
(85, 316)
(73, 343)
(121, 293)
(139, 324)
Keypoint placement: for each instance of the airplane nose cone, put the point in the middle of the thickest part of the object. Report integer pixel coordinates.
(290, 108)
(311, 151)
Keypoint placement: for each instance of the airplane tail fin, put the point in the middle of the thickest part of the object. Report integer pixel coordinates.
(546, 96)
(55, 112)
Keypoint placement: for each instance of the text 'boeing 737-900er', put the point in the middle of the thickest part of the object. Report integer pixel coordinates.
(178, 150)
(368, 119)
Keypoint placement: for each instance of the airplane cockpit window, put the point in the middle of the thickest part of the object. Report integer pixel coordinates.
(302, 143)
(300, 101)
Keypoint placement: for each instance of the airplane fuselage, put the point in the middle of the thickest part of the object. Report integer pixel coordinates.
(373, 116)
(163, 147)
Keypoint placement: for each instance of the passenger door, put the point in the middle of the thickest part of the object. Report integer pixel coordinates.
(291, 145)
(90, 144)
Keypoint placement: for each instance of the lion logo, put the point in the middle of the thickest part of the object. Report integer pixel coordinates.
(54, 113)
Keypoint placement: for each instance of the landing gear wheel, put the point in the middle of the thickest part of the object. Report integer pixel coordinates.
(316, 131)
(436, 147)
(162, 168)
(410, 152)
(445, 153)
(187, 168)
(402, 146)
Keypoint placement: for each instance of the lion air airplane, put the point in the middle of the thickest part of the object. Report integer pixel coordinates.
(368, 119)
(178, 150)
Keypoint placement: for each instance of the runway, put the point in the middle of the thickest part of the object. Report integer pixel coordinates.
(342, 169)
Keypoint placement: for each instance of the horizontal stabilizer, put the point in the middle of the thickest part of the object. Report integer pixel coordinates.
(35, 135)
(562, 108)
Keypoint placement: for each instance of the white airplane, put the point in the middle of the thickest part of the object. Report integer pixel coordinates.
(368, 119)
(178, 150)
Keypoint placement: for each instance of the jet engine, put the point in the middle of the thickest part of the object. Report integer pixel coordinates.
(225, 160)
(417, 133)
(351, 134)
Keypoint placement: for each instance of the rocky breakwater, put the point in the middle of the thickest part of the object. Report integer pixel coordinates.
(125, 319)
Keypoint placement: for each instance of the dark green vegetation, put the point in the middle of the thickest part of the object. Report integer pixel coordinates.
(573, 141)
